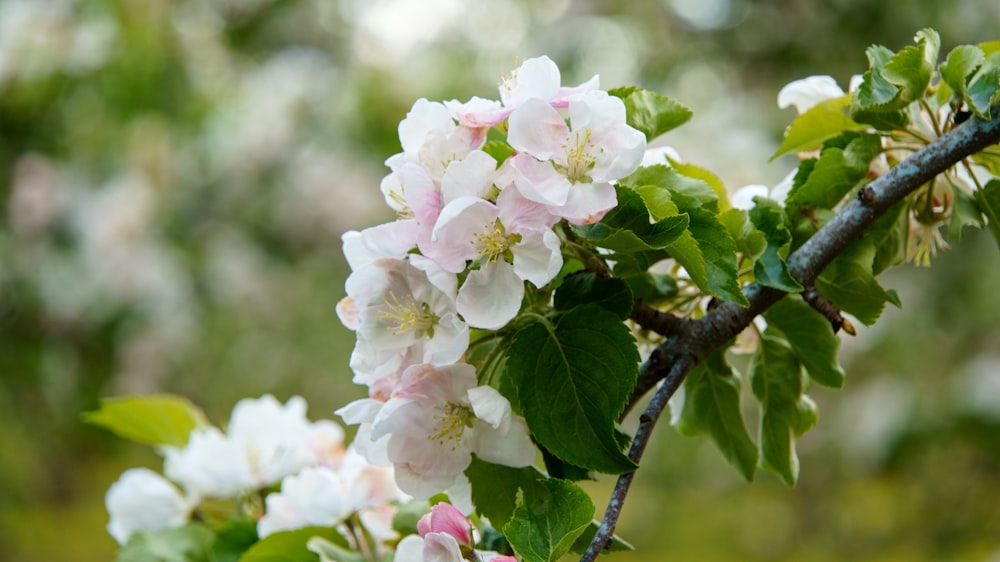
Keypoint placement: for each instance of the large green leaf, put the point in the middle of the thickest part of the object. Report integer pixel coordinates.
(770, 268)
(189, 543)
(811, 337)
(611, 294)
(843, 162)
(849, 283)
(712, 405)
(548, 519)
(650, 112)
(627, 227)
(823, 121)
(572, 381)
(234, 539)
(155, 419)
(776, 379)
(495, 489)
(291, 546)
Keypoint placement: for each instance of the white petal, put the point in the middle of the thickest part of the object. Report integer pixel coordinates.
(535, 78)
(142, 499)
(471, 176)
(540, 182)
(513, 448)
(538, 256)
(744, 196)
(807, 92)
(587, 203)
(538, 129)
(490, 297)
(490, 406)
(422, 119)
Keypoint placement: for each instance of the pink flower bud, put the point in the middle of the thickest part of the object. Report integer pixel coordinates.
(444, 518)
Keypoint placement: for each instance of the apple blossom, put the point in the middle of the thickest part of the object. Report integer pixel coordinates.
(808, 92)
(569, 168)
(142, 499)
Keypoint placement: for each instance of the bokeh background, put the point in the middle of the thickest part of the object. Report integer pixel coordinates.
(175, 176)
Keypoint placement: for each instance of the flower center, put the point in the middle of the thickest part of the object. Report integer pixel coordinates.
(407, 315)
(493, 242)
(580, 158)
(450, 425)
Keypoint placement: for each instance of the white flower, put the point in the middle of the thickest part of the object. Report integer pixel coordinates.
(743, 198)
(539, 78)
(808, 92)
(142, 499)
(437, 418)
(570, 168)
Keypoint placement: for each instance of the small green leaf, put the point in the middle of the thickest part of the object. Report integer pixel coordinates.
(770, 269)
(849, 283)
(823, 121)
(189, 543)
(843, 162)
(548, 519)
(876, 92)
(291, 546)
(984, 89)
(989, 202)
(330, 552)
(611, 294)
(650, 112)
(407, 516)
(749, 241)
(708, 254)
(234, 539)
(962, 62)
(912, 67)
(660, 183)
(811, 337)
(498, 149)
(627, 228)
(776, 379)
(888, 236)
(712, 404)
(156, 419)
(495, 489)
(708, 178)
(963, 213)
(573, 379)
(583, 541)
(653, 289)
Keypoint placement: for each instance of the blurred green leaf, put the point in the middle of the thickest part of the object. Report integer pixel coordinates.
(811, 338)
(188, 543)
(824, 120)
(155, 419)
(291, 546)
(849, 283)
(989, 202)
(548, 519)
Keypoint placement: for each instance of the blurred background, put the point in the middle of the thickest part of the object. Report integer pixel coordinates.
(175, 176)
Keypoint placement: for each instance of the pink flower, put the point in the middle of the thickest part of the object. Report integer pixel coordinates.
(444, 518)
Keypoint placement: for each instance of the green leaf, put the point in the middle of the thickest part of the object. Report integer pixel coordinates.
(582, 542)
(708, 254)
(611, 294)
(888, 236)
(650, 112)
(700, 174)
(749, 241)
(331, 552)
(849, 283)
(811, 337)
(912, 67)
(627, 228)
(573, 379)
(843, 162)
(189, 543)
(989, 202)
(963, 213)
(876, 92)
(770, 269)
(712, 404)
(156, 419)
(653, 289)
(407, 516)
(659, 185)
(823, 121)
(291, 546)
(776, 379)
(962, 62)
(548, 519)
(234, 539)
(558, 468)
(498, 149)
(984, 89)
(495, 488)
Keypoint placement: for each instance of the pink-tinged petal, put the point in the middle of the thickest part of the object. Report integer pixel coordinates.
(596, 110)
(471, 176)
(535, 78)
(419, 193)
(359, 411)
(588, 203)
(518, 213)
(539, 181)
(490, 297)
(444, 518)
(391, 240)
(441, 547)
(422, 486)
(537, 128)
(538, 257)
(510, 448)
(477, 113)
(491, 407)
(422, 119)
(561, 98)
(444, 281)
(348, 313)
(456, 230)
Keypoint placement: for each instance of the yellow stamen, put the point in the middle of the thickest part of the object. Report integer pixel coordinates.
(407, 315)
(451, 424)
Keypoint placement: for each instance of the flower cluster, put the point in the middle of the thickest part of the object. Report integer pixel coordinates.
(479, 189)
(266, 442)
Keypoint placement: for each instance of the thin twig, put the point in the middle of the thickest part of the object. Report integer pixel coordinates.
(700, 337)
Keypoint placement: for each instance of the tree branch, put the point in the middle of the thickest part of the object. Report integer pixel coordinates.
(672, 360)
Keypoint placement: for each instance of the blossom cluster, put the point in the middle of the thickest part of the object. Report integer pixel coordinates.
(480, 190)
(266, 443)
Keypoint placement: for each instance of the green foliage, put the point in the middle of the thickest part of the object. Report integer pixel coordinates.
(155, 419)
(708, 254)
(786, 413)
(770, 268)
(843, 162)
(627, 228)
(650, 112)
(894, 80)
(291, 546)
(811, 338)
(574, 378)
(234, 539)
(712, 405)
(849, 283)
(823, 121)
(548, 519)
(495, 489)
(989, 202)
(610, 294)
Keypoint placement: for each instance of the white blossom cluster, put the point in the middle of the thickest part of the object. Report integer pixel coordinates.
(266, 442)
(470, 232)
